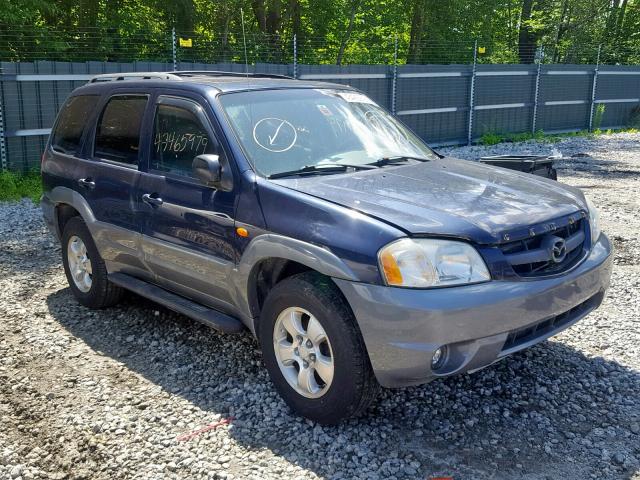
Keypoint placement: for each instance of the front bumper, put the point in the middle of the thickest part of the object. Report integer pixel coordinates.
(480, 323)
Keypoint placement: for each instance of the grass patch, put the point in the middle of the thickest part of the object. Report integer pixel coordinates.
(598, 116)
(14, 186)
(491, 138)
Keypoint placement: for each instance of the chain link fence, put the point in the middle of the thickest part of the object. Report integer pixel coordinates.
(449, 93)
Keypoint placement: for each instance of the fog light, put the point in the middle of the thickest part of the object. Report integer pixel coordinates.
(439, 356)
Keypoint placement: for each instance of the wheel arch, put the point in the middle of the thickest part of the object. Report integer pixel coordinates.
(271, 258)
(67, 204)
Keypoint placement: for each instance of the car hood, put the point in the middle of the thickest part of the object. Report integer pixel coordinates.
(447, 197)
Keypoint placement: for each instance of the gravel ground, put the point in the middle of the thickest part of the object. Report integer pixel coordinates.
(108, 394)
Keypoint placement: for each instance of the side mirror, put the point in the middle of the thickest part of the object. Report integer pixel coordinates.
(207, 169)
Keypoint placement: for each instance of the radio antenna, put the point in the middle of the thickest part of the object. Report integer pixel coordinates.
(246, 65)
(244, 41)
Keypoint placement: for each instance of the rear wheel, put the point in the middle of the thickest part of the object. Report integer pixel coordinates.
(85, 269)
(314, 351)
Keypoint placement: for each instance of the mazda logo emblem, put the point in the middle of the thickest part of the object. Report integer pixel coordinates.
(558, 250)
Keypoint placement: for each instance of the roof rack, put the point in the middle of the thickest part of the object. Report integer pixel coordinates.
(110, 77)
(180, 75)
(218, 73)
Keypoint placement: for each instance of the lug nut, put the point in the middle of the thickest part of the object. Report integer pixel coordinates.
(299, 338)
(305, 364)
(312, 357)
(296, 352)
(309, 344)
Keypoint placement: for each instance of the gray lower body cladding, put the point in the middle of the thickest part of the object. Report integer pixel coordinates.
(479, 324)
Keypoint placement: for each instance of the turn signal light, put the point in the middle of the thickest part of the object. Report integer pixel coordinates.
(391, 269)
(242, 232)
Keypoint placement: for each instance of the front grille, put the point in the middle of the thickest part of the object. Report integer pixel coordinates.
(525, 335)
(531, 257)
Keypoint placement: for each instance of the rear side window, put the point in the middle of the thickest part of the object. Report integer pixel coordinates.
(118, 131)
(178, 138)
(71, 122)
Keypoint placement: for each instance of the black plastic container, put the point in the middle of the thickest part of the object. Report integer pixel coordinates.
(534, 164)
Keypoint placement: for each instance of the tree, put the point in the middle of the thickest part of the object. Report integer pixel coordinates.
(355, 4)
(526, 36)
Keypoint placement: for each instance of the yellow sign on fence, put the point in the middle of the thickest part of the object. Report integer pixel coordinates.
(482, 49)
(186, 42)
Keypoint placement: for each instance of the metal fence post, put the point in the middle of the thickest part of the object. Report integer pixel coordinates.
(295, 55)
(394, 80)
(594, 86)
(173, 49)
(536, 93)
(472, 91)
(3, 149)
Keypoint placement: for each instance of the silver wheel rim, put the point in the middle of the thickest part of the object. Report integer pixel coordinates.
(79, 264)
(303, 352)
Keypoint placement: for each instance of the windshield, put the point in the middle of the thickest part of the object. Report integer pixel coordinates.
(287, 130)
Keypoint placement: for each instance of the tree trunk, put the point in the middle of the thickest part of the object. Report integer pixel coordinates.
(260, 12)
(87, 22)
(343, 44)
(224, 44)
(112, 9)
(620, 19)
(295, 12)
(526, 37)
(417, 32)
(563, 27)
(269, 16)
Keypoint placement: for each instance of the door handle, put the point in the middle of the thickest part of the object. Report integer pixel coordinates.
(87, 183)
(153, 201)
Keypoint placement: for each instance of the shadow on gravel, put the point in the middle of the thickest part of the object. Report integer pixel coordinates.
(39, 254)
(549, 412)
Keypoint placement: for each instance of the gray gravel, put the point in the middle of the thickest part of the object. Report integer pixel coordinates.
(107, 394)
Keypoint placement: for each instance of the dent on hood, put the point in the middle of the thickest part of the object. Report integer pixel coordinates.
(447, 197)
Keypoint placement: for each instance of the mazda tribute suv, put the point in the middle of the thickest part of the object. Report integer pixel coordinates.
(307, 214)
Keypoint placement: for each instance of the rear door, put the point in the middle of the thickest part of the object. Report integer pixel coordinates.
(188, 233)
(110, 177)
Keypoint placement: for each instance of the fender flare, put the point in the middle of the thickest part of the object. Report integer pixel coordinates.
(267, 246)
(70, 197)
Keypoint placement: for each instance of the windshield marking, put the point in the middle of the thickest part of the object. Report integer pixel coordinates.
(259, 131)
(272, 139)
(284, 131)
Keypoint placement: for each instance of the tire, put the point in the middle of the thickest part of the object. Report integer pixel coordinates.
(101, 292)
(353, 387)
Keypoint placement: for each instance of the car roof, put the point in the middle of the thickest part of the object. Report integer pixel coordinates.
(202, 82)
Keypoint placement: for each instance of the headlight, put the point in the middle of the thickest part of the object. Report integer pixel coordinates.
(594, 221)
(422, 263)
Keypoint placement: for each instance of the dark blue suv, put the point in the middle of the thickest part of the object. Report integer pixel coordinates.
(306, 213)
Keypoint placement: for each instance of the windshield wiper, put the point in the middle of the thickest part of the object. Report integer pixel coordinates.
(320, 169)
(396, 159)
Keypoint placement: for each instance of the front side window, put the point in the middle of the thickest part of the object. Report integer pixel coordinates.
(285, 130)
(178, 137)
(118, 131)
(71, 122)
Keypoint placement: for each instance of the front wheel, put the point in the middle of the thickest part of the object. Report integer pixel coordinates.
(314, 351)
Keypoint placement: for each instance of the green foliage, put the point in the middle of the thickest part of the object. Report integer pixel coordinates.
(14, 186)
(597, 116)
(428, 31)
(491, 138)
(524, 136)
(495, 138)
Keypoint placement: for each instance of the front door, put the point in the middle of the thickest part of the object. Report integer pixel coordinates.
(188, 234)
